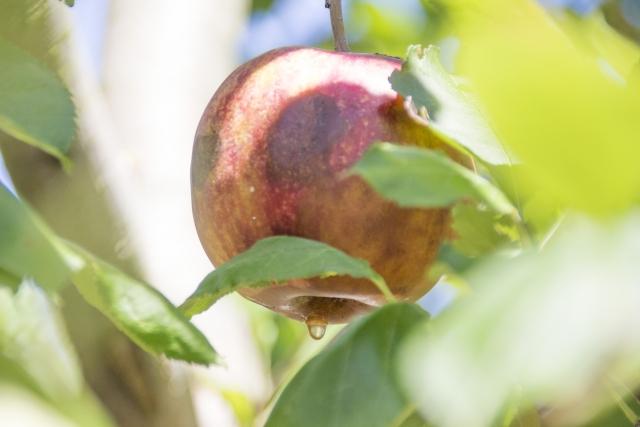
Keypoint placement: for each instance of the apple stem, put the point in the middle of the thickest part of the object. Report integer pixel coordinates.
(337, 25)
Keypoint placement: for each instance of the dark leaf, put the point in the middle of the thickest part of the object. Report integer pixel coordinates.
(352, 382)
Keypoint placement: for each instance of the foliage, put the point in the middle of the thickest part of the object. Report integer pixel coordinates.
(338, 383)
(407, 176)
(547, 235)
(438, 102)
(36, 353)
(278, 259)
(32, 250)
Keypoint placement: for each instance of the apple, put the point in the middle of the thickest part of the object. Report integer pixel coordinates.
(270, 158)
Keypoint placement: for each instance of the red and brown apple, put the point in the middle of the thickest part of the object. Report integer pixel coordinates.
(270, 158)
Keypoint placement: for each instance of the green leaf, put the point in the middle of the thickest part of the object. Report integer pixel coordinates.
(142, 313)
(69, 3)
(417, 177)
(261, 5)
(567, 114)
(36, 355)
(480, 231)
(32, 333)
(35, 106)
(451, 112)
(547, 326)
(278, 259)
(27, 247)
(352, 381)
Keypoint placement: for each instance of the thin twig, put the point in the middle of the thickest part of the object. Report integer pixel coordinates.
(337, 25)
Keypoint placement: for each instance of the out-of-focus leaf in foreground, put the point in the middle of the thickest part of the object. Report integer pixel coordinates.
(278, 259)
(547, 326)
(36, 354)
(418, 177)
(447, 109)
(35, 106)
(352, 382)
(27, 245)
(566, 115)
(481, 231)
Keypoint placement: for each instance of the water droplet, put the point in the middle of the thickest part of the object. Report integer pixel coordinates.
(317, 326)
(253, 218)
(252, 189)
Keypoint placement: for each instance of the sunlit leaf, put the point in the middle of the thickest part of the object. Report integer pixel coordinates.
(452, 114)
(569, 120)
(33, 334)
(278, 259)
(480, 231)
(37, 356)
(29, 25)
(352, 382)
(35, 107)
(384, 28)
(595, 37)
(418, 177)
(142, 313)
(242, 407)
(27, 247)
(546, 325)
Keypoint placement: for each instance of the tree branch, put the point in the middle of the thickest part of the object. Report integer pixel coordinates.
(337, 25)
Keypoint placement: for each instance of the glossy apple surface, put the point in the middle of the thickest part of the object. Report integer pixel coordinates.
(270, 158)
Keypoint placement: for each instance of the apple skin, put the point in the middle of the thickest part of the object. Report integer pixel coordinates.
(270, 158)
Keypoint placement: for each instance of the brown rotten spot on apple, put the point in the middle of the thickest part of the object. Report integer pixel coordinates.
(270, 157)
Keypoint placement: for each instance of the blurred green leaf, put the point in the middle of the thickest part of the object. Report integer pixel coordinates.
(569, 119)
(141, 312)
(32, 333)
(352, 382)
(443, 107)
(480, 231)
(546, 325)
(27, 247)
(623, 411)
(242, 407)
(289, 336)
(69, 2)
(418, 177)
(28, 24)
(261, 5)
(35, 106)
(383, 29)
(36, 354)
(596, 38)
(278, 259)
(8, 279)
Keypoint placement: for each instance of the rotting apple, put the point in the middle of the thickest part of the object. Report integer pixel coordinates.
(270, 156)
